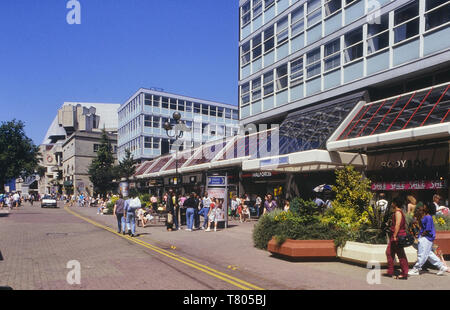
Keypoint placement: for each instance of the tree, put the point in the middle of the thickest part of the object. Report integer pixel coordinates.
(127, 167)
(101, 170)
(19, 156)
(353, 197)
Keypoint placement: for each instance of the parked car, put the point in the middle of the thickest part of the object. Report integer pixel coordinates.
(48, 202)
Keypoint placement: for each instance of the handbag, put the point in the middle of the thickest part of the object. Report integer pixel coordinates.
(406, 241)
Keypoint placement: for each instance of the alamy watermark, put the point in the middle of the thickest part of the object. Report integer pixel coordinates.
(74, 15)
(374, 275)
(74, 275)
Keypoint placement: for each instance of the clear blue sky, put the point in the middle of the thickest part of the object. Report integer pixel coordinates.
(188, 47)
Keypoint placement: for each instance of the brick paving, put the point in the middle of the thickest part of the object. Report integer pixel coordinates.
(37, 243)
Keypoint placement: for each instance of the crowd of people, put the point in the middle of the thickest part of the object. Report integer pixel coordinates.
(421, 233)
(10, 201)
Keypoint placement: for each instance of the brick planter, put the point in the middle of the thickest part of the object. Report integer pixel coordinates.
(303, 249)
(443, 240)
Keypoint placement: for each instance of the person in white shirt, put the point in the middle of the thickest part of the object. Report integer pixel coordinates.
(16, 198)
(382, 203)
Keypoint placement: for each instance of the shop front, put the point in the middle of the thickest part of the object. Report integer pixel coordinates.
(261, 183)
(420, 171)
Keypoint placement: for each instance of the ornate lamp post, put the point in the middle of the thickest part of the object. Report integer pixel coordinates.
(180, 127)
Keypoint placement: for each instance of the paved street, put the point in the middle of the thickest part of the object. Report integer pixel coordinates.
(37, 244)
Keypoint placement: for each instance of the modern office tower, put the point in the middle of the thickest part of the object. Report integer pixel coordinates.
(141, 120)
(298, 53)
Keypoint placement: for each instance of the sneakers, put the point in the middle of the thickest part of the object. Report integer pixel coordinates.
(201, 227)
(413, 272)
(187, 229)
(442, 270)
(215, 229)
(208, 229)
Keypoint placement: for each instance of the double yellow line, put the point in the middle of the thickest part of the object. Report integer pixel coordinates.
(210, 271)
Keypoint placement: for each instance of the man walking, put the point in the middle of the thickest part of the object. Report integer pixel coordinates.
(16, 198)
(130, 210)
(119, 212)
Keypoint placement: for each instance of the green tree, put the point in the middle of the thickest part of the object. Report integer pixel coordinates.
(19, 156)
(353, 197)
(127, 167)
(101, 170)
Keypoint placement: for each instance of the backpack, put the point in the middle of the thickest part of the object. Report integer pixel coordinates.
(134, 204)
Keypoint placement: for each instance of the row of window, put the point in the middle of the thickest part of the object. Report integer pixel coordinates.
(406, 25)
(343, 50)
(188, 106)
(254, 8)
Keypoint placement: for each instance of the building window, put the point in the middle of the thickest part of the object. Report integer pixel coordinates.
(297, 71)
(165, 102)
(148, 142)
(148, 99)
(256, 46)
(297, 21)
(256, 89)
(332, 57)
(235, 115)
(332, 6)
(213, 111)
(282, 77)
(406, 22)
(173, 104)
(197, 108)
(245, 14)
(156, 121)
(189, 106)
(156, 142)
(257, 8)
(268, 83)
(314, 12)
(205, 109)
(282, 31)
(228, 113)
(348, 2)
(147, 121)
(269, 39)
(378, 35)
(268, 3)
(220, 112)
(245, 94)
(156, 101)
(313, 64)
(181, 105)
(437, 13)
(245, 52)
(353, 45)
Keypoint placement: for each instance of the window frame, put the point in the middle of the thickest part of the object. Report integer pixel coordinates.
(249, 12)
(266, 84)
(313, 63)
(308, 14)
(333, 13)
(255, 89)
(245, 94)
(360, 42)
(297, 80)
(284, 29)
(298, 21)
(244, 54)
(395, 26)
(272, 37)
(432, 10)
(259, 45)
(332, 56)
(260, 3)
(279, 79)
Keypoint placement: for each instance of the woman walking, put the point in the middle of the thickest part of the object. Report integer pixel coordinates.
(426, 237)
(398, 228)
(212, 215)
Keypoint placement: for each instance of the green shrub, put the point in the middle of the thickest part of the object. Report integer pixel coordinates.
(265, 229)
(307, 210)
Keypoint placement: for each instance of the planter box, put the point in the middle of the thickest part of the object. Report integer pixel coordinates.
(363, 253)
(300, 249)
(443, 240)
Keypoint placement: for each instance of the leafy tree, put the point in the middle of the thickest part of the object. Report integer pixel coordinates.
(19, 156)
(352, 201)
(127, 167)
(101, 170)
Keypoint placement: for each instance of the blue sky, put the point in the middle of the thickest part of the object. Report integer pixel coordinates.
(188, 47)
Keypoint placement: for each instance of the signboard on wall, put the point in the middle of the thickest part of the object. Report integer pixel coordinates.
(221, 194)
(216, 181)
(409, 185)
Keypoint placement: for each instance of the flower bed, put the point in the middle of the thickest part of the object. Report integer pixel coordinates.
(297, 249)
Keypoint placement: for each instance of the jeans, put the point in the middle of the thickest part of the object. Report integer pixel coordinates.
(258, 207)
(120, 223)
(131, 220)
(204, 212)
(190, 212)
(424, 253)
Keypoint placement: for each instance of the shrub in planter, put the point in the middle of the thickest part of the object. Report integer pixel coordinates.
(442, 222)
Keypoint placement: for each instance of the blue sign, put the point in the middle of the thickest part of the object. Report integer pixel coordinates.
(215, 181)
(274, 161)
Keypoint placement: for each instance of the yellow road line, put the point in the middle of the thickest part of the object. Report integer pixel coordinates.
(215, 273)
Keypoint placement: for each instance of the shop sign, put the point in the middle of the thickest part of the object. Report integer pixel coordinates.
(274, 161)
(261, 174)
(215, 181)
(405, 163)
(409, 185)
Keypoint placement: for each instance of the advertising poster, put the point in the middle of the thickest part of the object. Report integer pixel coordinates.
(218, 193)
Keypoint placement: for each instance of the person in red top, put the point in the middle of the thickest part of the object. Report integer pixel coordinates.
(398, 228)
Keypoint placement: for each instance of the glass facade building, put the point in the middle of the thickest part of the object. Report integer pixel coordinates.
(298, 53)
(142, 117)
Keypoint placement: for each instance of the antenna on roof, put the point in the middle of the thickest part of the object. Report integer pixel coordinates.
(156, 88)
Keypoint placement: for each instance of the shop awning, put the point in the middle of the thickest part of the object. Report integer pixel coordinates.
(313, 160)
(418, 115)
